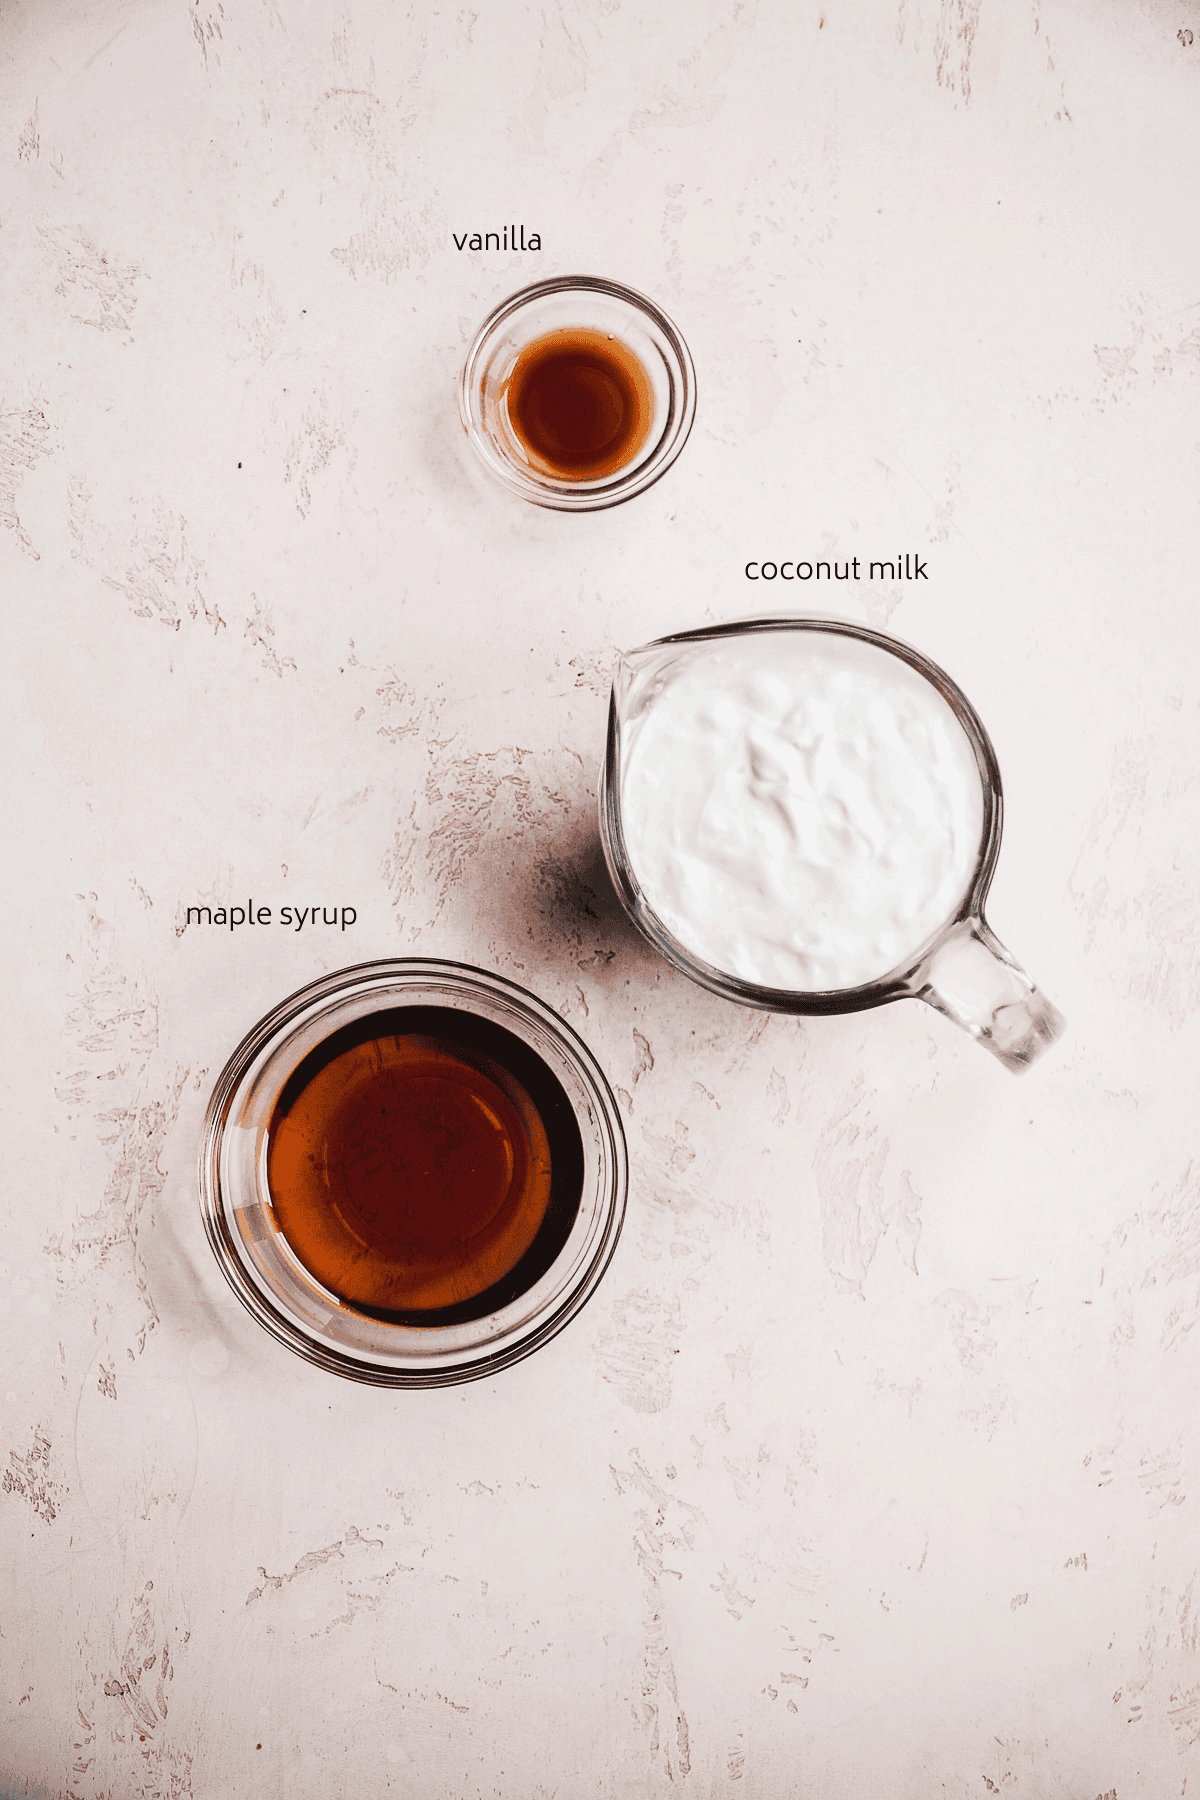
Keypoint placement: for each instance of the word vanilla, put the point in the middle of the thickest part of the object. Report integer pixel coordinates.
(496, 240)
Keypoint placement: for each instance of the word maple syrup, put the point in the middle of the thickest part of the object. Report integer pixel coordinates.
(580, 404)
(425, 1165)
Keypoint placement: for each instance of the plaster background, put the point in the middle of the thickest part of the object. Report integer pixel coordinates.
(872, 1467)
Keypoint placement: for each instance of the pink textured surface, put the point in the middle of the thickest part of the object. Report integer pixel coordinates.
(872, 1467)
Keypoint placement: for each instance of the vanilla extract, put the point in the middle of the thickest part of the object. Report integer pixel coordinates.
(580, 404)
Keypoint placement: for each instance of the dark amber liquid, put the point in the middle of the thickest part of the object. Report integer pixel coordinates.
(580, 403)
(424, 1165)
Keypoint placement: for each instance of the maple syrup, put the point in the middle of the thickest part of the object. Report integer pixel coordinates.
(425, 1165)
(580, 404)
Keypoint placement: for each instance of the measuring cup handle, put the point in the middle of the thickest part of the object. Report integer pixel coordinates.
(972, 978)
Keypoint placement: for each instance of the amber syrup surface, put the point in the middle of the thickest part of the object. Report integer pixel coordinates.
(414, 1172)
(580, 404)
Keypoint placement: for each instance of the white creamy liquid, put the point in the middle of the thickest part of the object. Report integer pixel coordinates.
(801, 810)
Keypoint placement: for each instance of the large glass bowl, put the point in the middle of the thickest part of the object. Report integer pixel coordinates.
(260, 1265)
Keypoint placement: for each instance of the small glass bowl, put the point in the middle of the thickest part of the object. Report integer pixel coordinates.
(263, 1270)
(577, 302)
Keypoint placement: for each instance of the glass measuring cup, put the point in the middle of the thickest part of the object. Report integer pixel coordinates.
(957, 964)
